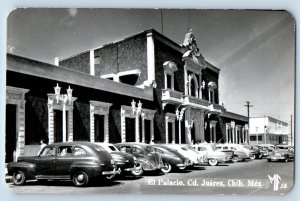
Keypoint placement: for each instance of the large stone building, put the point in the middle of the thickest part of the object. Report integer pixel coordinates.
(265, 130)
(142, 88)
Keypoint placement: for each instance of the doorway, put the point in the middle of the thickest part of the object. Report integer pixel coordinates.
(130, 129)
(99, 128)
(11, 132)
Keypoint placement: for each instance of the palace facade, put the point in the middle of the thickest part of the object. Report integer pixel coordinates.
(142, 88)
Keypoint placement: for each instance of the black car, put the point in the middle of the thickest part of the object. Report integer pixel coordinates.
(145, 156)
(77, 161)
(125, 162)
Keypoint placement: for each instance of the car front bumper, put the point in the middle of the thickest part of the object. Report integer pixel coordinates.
(115, 171)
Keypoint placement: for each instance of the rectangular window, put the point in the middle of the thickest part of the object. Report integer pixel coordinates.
(252, 138)
(169, 81)
(260, 138)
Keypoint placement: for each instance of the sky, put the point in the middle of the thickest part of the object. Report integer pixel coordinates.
(254, 49)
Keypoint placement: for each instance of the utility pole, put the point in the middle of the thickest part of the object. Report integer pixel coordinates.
(292, 130)
(248, 114)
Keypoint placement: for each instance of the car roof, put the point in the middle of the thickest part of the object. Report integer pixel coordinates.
(72, 143)
(133, 144)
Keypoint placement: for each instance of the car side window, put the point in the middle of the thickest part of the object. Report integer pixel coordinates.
(48, 151)
(64, 151)
(217, 148)
(225, 147)
(137, 150)
(78, 151)
(125, 149)
(232, 148)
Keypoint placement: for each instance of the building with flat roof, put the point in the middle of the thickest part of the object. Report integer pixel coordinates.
(142, 88)
(268, 130)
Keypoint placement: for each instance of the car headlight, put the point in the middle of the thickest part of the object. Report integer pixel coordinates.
(112, 161)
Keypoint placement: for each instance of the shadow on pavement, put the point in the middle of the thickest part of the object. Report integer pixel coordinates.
(92, 183)
(197, 168)
(128, 178)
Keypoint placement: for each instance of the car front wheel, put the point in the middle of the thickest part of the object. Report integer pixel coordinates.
(80, 179)
(252, 156)
(19, 178)
(212, 162)
(167, 168)
(235, 158)
(137, 171)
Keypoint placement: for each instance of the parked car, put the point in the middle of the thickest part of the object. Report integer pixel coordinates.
(77, 161)
(282, 153)
(239, 153)
(145, 156)
(266, 149)
(171, 158)
(255, 151)
(124, 161)
(212, 157)
(187, 152)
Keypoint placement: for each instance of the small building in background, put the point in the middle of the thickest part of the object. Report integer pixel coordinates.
(268, 130)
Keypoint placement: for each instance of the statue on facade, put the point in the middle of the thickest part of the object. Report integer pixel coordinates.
(190, 43)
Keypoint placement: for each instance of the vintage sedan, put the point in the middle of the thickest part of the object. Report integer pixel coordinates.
(124, 161)
(282, 153)
(212, 157)
(266, 149)
(240, 154)
(145, 155)
(187, 152)
(77, 161)
(255, 151)
(171, 158)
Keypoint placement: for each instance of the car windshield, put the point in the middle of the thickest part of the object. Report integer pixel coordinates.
(99, 148)
(113, 148)
(192, 149)
(149, 149)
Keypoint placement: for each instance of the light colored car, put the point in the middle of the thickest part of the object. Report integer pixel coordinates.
(188, 152)
(171, 158)
(212, 157)
(240, 153)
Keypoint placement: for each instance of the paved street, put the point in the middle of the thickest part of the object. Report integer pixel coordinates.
(242, 178)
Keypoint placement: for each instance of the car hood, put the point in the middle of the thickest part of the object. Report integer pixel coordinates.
(119, 154)
(29, 159)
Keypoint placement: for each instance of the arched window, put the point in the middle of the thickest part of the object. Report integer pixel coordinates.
(211, 91)
(169, 69)
(193, 85)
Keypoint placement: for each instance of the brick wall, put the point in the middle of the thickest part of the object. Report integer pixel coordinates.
(125, 55)
(80, 62)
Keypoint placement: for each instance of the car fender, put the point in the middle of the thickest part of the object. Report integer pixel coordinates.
(93, 169)
(29, 169)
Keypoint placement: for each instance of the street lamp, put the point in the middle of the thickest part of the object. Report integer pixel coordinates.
(65, 98)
